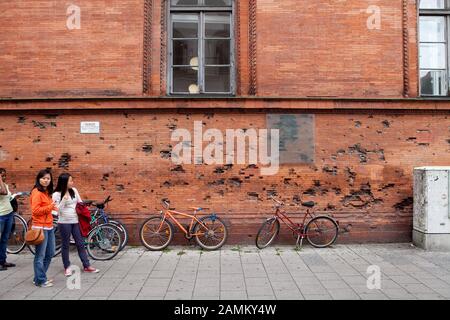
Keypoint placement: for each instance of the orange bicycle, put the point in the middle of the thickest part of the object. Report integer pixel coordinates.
(209, 232)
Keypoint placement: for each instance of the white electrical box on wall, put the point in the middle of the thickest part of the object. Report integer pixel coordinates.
(431, 221)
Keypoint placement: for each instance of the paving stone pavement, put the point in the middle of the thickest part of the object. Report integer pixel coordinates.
(244, 273)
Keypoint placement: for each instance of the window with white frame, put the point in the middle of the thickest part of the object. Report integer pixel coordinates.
(434, 24)
(201, 47)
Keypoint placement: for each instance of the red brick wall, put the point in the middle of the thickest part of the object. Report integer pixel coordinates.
(362, 174)
(39, 56)
(324, 48)
(304, 48)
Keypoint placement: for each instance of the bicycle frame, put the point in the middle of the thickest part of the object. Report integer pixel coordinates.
(281, 215)
(172, 213)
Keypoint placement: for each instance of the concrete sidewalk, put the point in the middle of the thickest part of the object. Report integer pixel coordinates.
(242, 273)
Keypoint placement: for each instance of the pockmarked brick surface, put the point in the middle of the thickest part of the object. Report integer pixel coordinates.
(362, 174)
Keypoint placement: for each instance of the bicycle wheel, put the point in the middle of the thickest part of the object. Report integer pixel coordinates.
(156, 233)
(267, 233)
(103, 242)
(16, 241)
(321, 231)
(215, 234)
(123, 232)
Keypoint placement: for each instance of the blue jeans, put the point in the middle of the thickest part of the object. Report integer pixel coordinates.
(6, 223)
(72, 229)
(44, 254)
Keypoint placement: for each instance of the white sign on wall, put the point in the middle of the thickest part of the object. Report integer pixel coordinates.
(89, 127)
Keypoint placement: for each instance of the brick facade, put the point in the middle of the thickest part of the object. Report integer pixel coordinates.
(295, 56)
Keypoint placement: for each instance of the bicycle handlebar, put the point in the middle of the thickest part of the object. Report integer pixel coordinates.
(277, 201)
(20, 194)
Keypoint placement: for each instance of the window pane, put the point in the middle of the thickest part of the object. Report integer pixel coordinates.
(432, 4)
(184, 51)
(217, 25)
(432, 56)
(185, 25)
(432, 29)
(217, 79)
(185, 2)
(217, 51)
(433, 82)
(220, 3)
(185, 80)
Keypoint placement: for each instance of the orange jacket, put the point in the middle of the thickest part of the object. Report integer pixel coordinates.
(41, 209)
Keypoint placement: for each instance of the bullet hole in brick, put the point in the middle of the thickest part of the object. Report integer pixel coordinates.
(63, 161)
(221, 193)
(287, 180)
(209, 115)
(350, 176)
(337, 190)
(51, 116)
(347, 228)
(21, 120)
(405, 205)
(340, 152)
(271, 193)
(358, 124)
(101, 138)
(296, 199)
(448, 141)
(361, 198)
(253, 195)
(362, 152)
(217, 182)
(105, 177)
(235, 181)
(165, 154)
(172, 126)
(386, 124)
(387, 186)
(147, 148)
(178, 168)
(252, 166)
(206, 198)
(1, 129)
(37, 140)
(43, 125)
(331, 207)
(333, 171)
(167, 184)
(125, 115)
(120, 187)
(16, 159)
(111, 147)
(48, 159)
(87, 152)
(223, 168)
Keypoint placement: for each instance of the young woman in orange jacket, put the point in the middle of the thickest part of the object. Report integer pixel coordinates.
(42, 206)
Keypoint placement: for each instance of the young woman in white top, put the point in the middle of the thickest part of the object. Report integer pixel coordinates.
(66, 198)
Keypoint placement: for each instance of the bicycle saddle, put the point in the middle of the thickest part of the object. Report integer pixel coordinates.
(308, 204)
(198, 208)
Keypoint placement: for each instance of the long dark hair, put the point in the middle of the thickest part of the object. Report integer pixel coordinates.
(37, 184)
(62, 185)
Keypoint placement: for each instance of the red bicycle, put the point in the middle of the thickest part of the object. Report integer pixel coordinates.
(320, 231)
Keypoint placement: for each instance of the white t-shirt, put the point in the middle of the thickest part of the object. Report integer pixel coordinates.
(67, 212)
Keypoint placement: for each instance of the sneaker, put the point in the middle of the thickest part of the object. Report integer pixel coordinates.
(91, 270)
(68, 272)
(49, 281)
(47, 284)
(3, 268)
